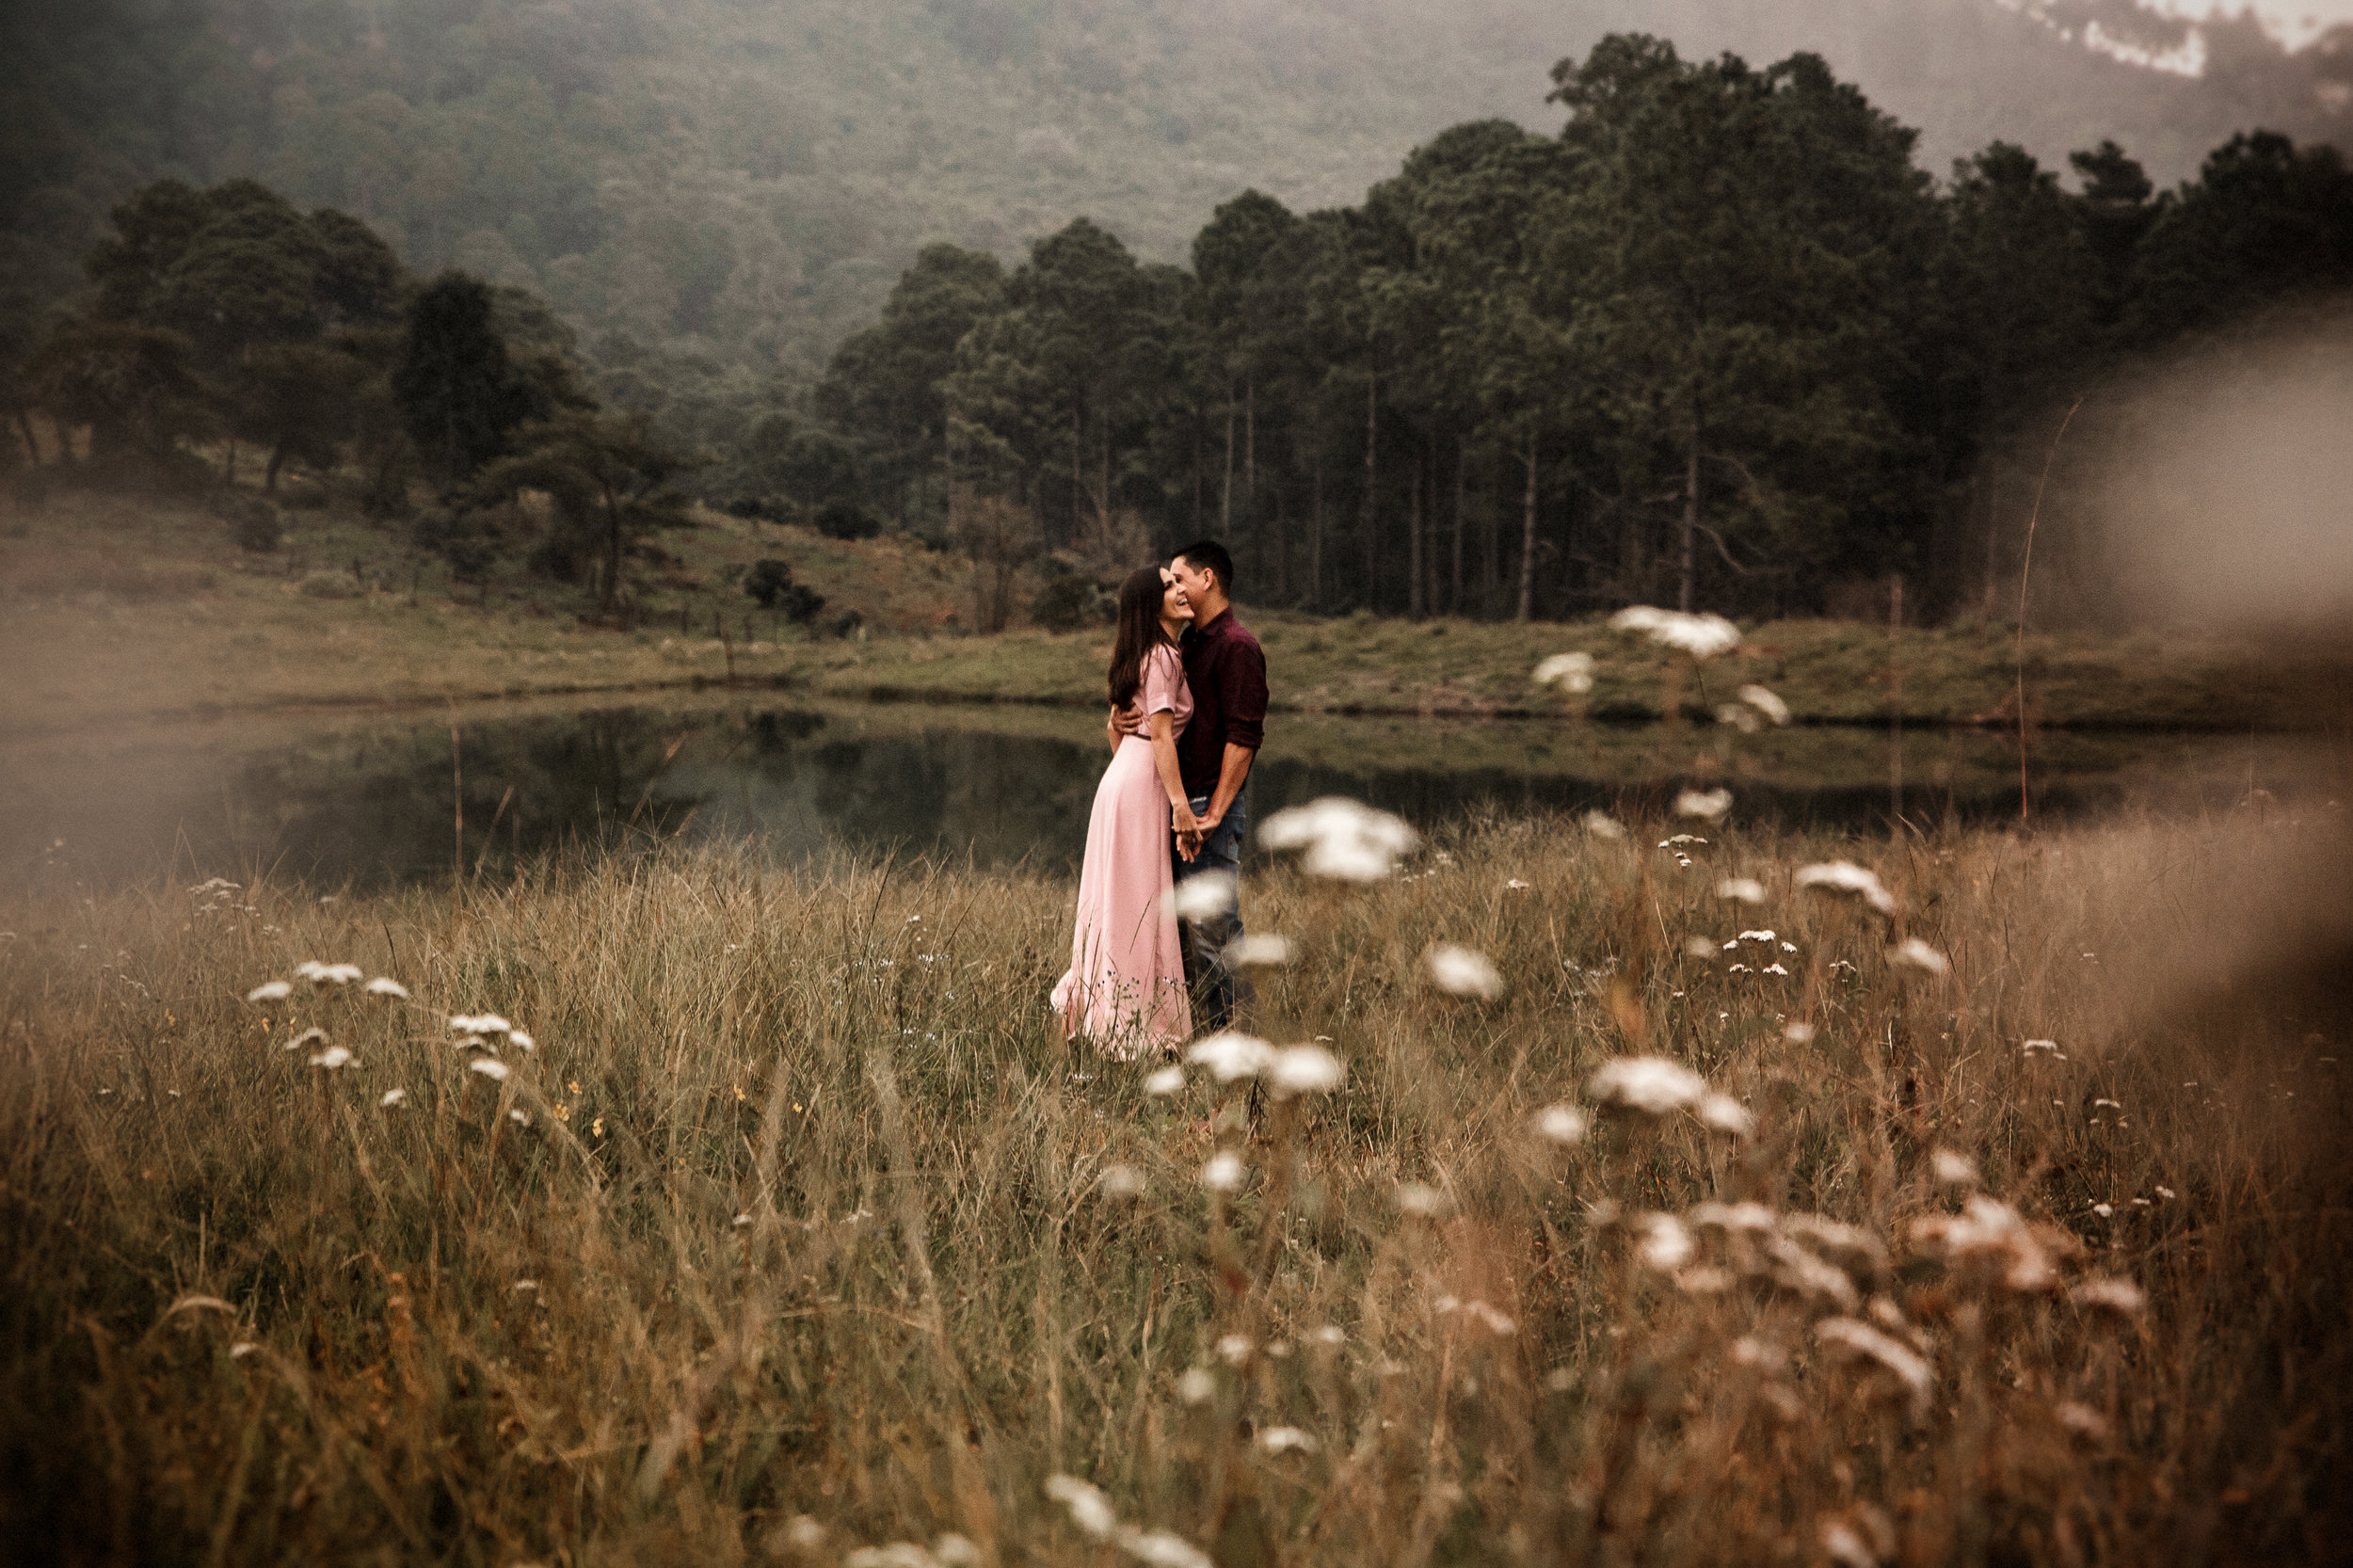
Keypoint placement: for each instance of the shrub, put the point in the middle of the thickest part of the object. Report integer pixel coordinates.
(330, 584)
(1069, 603)
(254, 523)
(770, 583)
(846, 519)
(767, 581)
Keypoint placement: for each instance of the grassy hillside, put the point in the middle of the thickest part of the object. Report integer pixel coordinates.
(114, 608)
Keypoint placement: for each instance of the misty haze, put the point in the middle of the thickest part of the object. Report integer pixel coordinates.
(1065, 781)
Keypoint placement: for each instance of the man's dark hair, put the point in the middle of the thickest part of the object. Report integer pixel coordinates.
(1210, 557)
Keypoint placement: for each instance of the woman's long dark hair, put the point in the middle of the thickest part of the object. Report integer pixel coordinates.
(1139, 631)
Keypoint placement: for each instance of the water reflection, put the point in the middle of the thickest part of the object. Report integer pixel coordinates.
(385, 799)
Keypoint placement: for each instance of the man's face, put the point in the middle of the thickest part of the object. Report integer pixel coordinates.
(1198, 586)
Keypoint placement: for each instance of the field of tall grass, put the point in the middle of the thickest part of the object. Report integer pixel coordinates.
(2008, 1225)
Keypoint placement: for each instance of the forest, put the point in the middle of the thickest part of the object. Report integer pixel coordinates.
(1718, 341)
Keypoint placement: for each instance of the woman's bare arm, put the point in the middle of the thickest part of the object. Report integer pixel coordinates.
(1173, 780)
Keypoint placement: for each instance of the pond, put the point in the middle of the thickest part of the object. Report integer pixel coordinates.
(372, 799)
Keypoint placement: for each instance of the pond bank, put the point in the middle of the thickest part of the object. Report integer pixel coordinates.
(108, 620)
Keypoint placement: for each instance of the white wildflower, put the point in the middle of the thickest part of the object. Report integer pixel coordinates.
(270, 990)
(1952, 1169)
(478, 1023)
(1090, 1510)
(1162, 1549)
(1601, 825)
(1860, 1339)
(1571, 672)
(1121, 1182)
(2081, 1419)
(1345, 842)
(242, 1348)
(1799, 1033)
(519, 1116)
(1330, 1334)
(393, 1099)
(1164, 1081)
(1702, 947)
(310, 1036)
(1230, 1055)
(518, 1038)
(1258, 951)
(1203, 896)
(1846, 879)
(494, 1071)
(2041, 1048)
(1916, 954)
(2111, 1293)
(1766, 702)
(1845, 1546)
(1563, 1123)
(898, 1554)
(951, 1550)
(384, 985)
(1706, 804)
(1744, 889)
(1746, 1217)
(1702, 636)
(333, 1057)
(1223, 1173)
(1419, 1199)
(1664, 1244)
(1198, 1386)
(1461, 973)
(1650, 1084)
(1723, 1114)
(1285, 1440)
(1235, 1349)
(1304, 1070)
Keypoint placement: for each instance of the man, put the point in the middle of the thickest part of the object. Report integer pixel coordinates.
(1226, 670)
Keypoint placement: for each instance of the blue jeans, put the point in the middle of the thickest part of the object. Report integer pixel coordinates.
(1216, 987)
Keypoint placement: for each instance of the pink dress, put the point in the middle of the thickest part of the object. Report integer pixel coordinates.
(1126, 986)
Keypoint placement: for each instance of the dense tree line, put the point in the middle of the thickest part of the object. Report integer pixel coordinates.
(1719, 341)
(714, 192)
(229, 320)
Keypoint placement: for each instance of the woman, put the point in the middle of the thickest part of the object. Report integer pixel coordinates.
(1126, 986)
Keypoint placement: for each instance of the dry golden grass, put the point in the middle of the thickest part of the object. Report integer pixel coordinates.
(791, 1238)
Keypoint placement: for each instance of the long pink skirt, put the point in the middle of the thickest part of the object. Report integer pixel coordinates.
(1126, 986)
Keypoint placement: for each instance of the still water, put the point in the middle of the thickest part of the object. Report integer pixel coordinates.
(375, 799)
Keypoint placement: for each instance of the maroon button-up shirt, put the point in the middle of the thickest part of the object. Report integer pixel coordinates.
(1226, 669)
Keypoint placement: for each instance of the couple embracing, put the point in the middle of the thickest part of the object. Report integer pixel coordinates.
(1188, 695)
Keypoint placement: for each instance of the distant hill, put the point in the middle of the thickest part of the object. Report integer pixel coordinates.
(741, 181)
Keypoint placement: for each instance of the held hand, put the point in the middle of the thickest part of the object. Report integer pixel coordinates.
(1207, 822)
(1187, 827)
(1125, 723)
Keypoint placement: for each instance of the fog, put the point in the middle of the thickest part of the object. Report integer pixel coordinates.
(2216, 485)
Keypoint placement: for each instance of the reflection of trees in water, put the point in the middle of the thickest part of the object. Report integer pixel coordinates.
(378, 806)
(374, 805)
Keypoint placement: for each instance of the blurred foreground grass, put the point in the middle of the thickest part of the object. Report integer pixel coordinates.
(799, 1233)
(114, 608)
